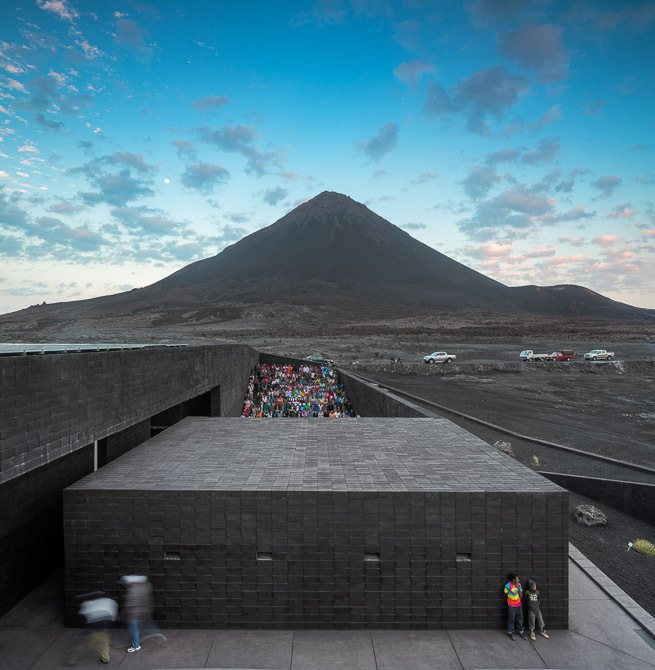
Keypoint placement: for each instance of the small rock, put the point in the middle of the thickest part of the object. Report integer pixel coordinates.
(505, 447)
(588, 515)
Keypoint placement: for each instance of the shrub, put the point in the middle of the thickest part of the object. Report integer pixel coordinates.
(644, 547)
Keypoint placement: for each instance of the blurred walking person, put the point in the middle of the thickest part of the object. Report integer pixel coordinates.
(99, 613)
(137, 609)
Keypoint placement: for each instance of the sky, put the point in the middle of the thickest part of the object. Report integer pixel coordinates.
(516, 137)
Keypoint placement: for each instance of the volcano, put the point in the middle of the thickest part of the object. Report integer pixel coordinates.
(330, 260)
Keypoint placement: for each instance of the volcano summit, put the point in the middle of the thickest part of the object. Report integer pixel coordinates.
(329, 261)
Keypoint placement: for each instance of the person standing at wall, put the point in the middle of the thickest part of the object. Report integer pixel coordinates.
(514, 593)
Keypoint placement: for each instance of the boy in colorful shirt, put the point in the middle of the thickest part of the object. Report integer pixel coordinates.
(514, 592)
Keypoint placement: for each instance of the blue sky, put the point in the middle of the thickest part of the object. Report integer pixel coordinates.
(516, 137)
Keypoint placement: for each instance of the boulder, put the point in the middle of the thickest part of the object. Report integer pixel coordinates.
(505, 447)
(588, 515)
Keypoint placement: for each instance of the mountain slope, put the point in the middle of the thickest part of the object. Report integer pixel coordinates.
(330, 260)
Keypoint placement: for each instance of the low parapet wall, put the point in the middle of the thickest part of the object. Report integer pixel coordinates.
(369, 399)
(633, 498)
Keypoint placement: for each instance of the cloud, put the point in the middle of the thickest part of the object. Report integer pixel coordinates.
(490, 250)
(576, 214)
(517, 209)
(540, 253)
(238, 217)
(379, 146)
(520, 200)
(552, 115)
(589, 17)
(58, 233)
(606, 185)
(622, 211)
(228, 234)
(240, 139)
(424, 177)
(607, 240)
(537, 48)
(146, 221)
(479, 181)
(74, 104)
(58, 7)
(63, 207)
(411, 73)
(45, 92)
(503, 156)
(485, 93)
(210, 102)
(53, 125)
(573, 241)
(130, 160)
(184, 149)
(130, 37)
(204, 177)
(115, 189)
(413, 226)
(547, 151)
(10, 213)
(593, 107)
(492, 10)
(274, 195)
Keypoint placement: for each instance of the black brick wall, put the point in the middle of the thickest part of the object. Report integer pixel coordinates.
(53, 404)
(201, 551)
(53, 407)
(31, 537)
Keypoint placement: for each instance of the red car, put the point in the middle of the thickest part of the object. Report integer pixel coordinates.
(566, 355)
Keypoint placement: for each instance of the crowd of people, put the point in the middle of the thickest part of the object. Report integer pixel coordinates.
(295, 391)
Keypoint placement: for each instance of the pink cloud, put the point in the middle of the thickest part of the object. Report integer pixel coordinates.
(539, 253)
(573, 241)
(622, 211)
(607, 240)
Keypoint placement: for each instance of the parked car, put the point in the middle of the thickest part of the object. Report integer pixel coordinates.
(564, 355)
(599, 355)
(315, 358)
(529, 355)
(439, 357)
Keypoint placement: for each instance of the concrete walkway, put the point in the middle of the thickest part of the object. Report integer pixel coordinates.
(602, 636)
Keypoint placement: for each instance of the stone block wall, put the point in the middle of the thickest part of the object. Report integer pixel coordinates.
(51, 405)
(321, 560)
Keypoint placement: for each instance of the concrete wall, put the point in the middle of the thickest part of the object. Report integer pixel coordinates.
(633, 498)
(54, 406)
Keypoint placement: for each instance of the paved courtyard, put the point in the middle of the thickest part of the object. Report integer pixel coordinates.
(601, 635)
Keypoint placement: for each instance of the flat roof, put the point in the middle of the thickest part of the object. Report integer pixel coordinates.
(322, 454)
